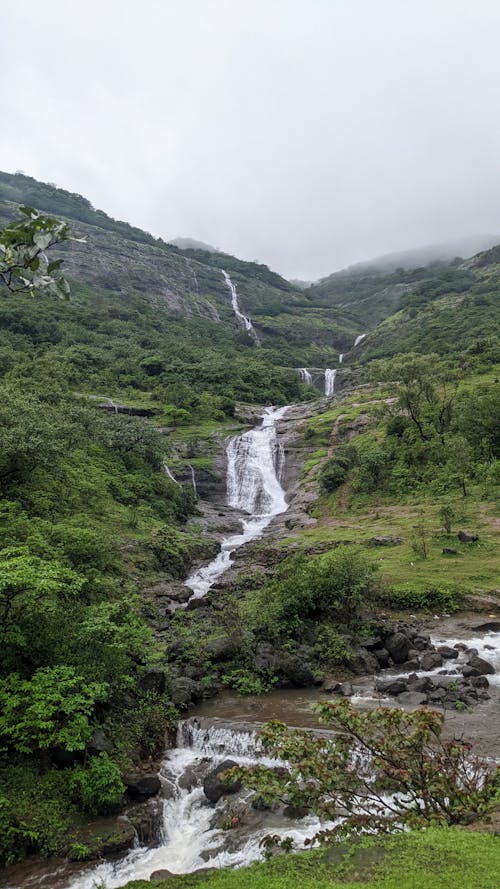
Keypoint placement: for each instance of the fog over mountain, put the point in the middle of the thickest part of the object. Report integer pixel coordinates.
(310, 136)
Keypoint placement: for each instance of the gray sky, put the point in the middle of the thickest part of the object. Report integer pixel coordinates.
(307, 134)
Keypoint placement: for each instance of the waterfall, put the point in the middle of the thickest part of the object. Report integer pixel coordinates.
(244, 321)
(341, 357)
(305, 376)
(113, 405)
(191, 837)
(254, 466)
(167, 470)
(330, 381)
(359, 339)
(193, 481)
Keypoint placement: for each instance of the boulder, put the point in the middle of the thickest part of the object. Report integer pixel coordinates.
(297, 672)
(420, 684)
(465, 537)
(398, 646)
(392, 687)
(386, 541)
(100, 743)
(479, 682)
(295, 812)
(478, 663)
(153, 680)
(412, 698)
(430, 660)
(214, 787)
(183, 691)
(469, 672)
(449, 551)
(447, 653)
(158, 875)
(383, 657)
(146, 818)
(103, 836)
(421, 642)
(221, 649)
(362, 661)
(344, 689)
(139, 785)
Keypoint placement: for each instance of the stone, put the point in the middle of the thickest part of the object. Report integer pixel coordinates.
(420, 684)
(344, 689)
(139, 785)
(430, 660)
(398, 646)
(479, 682)
(373, 643)
(297, 672)
(100, 743)
(420, 642)
(161, 875)
(447, 653)
(295, 812)
(478, 663)
(214, 787)
(153, 680)
(386, 541)
(221, 649)
(383, 657)
(362, 661)
(146, 818)
(449, 551)
(183, 691)
(412, 698)
(465, 537)
(469, 672)
(392, 687)
(103, 836)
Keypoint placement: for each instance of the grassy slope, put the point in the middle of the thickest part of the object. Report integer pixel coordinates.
(353, 517)
(434, 859)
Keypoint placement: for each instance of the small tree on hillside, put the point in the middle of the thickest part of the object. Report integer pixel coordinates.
(24, 266)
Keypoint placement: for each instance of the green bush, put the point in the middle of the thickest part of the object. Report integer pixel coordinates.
(98, 786)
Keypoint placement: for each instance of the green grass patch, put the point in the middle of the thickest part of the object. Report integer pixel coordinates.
(432, 859)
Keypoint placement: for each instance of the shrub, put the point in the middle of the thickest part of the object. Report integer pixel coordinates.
(98, 786)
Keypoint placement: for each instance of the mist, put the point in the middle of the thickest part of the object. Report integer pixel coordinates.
(306, 135)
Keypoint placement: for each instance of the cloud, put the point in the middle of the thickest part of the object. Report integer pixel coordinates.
(306, 133)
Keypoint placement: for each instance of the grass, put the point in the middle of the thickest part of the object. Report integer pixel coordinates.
(432, 859)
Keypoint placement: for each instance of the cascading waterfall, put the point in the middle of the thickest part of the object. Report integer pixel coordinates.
(359, 339)
(254, 467)
(169, 473)
(305, 376)
(191, 837)
(245, 322)
(193, 481)
(330, 381)
(341, 357)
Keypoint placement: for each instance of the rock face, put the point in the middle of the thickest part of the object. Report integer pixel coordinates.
(214, 787)
(139, 785)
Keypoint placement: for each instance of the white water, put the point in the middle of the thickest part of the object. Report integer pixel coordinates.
(187, 830)
(305, 376)
(193, 481)
(330, 381)
(246, 323)
(167, 470)
(254, 466)
(359, 339)
(341, 357)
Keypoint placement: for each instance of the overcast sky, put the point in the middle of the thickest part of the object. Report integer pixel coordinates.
(308, 134)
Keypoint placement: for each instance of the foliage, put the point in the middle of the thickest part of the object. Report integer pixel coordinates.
(333, 586)
(98, 786)
(24, 266)
(52, 709)
(384, 769)
(247, 682)
(334, 472)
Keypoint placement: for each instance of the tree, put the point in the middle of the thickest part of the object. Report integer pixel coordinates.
(426, 390)
(383, 769)
(24, 266)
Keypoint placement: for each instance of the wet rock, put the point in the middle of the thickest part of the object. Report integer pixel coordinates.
(213, 785)
(398, 646)
(412, 698)
(344, 689)
(465, 537)
(392, 687)
(478, 663)
(421, 642)
(420, 684)
(412, 664)
(470, 671)
(430, 660)
(295, 812)
(447, 653)
(183, 691)
(297, 672)
(479, 682)
(383, 657)
(147, 819)
(362, 661)
(138, 784)
(161, 875)
(153, 680)
(104, 836)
